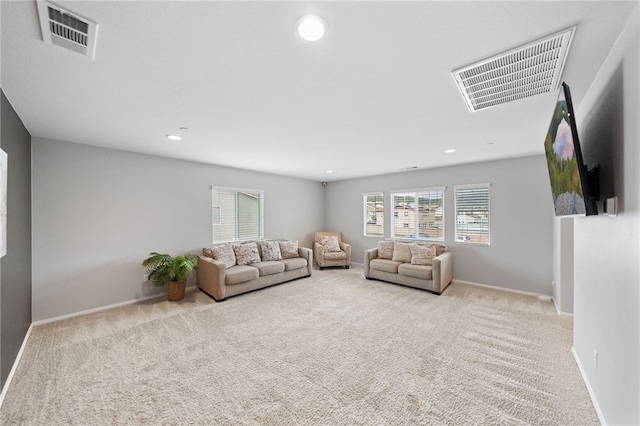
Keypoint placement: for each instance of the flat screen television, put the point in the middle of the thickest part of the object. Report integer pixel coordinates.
(573, 187)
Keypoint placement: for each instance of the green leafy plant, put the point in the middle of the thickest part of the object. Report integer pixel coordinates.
(163, 268)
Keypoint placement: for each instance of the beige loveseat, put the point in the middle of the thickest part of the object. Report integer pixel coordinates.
(226, 270)
(411, 264)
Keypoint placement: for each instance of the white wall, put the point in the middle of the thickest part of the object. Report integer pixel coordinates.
(607, 249)
(563, 263)
(97, 213)
(520, 255)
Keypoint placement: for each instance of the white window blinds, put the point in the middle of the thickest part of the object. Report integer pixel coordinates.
(472, 213)
(236, 214)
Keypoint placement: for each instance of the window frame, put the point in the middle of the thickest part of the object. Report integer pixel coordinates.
(366, 215)
(417, 229)
(237, 230)
(458, 235)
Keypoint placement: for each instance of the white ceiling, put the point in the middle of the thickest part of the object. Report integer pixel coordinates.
(375, 96)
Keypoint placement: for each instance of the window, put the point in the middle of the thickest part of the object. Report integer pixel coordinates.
(236, 214)
(418, 214)
(472, 214)
(374, 214)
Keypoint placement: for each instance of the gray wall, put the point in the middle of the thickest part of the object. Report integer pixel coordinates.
(15, 267)
(97, 213)
(607, 249)
(520, 254)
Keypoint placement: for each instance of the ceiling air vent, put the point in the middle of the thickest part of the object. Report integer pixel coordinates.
(67, 29)
(518, 73)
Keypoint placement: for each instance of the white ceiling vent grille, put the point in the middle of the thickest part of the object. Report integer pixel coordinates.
(518, 73)
(67, 29)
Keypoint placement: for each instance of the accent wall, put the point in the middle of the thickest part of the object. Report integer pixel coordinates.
(15, 267)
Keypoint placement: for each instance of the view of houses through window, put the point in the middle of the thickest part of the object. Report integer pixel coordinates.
(374, 214)
(236, 214)
(418, 214)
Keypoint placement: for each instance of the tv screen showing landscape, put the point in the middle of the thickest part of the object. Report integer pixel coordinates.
(564, 160)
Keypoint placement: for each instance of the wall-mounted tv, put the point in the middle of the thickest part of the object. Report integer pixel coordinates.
(574, 188)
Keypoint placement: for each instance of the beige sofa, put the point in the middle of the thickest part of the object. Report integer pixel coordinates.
(394, 266)
(222, 275)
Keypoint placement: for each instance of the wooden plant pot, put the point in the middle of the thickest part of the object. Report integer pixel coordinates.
(175, 290)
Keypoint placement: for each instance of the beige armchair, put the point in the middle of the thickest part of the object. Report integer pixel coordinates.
(330, 250)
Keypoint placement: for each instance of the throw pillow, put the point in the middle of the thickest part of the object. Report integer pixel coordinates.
(270, 250)
(401, 252)
(288, 249)
(246, 253)
(440, 248)
(330, 244)
(385, 250)
(224, 253)
(422, 254)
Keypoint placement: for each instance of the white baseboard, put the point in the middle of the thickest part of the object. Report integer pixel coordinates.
(104, 308)
(588, 385)
(5, 388)
(567, 314)
(510, 290)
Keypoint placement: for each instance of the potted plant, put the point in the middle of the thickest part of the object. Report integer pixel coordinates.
(163, 269)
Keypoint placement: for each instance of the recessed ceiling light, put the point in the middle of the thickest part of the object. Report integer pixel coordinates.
(310, 27)
(450, 151)
(329, 171)
(174, 137)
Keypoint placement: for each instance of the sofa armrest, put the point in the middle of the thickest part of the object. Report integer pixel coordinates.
(347, 249)
(318, 252)
(307, 253)
(369, 255)
(442, 270)
(211, 277)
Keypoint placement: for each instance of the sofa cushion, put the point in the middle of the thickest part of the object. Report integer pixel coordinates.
(246, 253)
(339, 255)
(401, 252)
(385, 249)
(422, 254)
(384, 265)
(240, 274)
(288, 249)
(415, 271)
(294, 263)
(224, 253)
(269, 267)
(270, 250)
(330, 244)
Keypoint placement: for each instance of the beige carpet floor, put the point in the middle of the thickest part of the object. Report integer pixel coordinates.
(333, 349)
